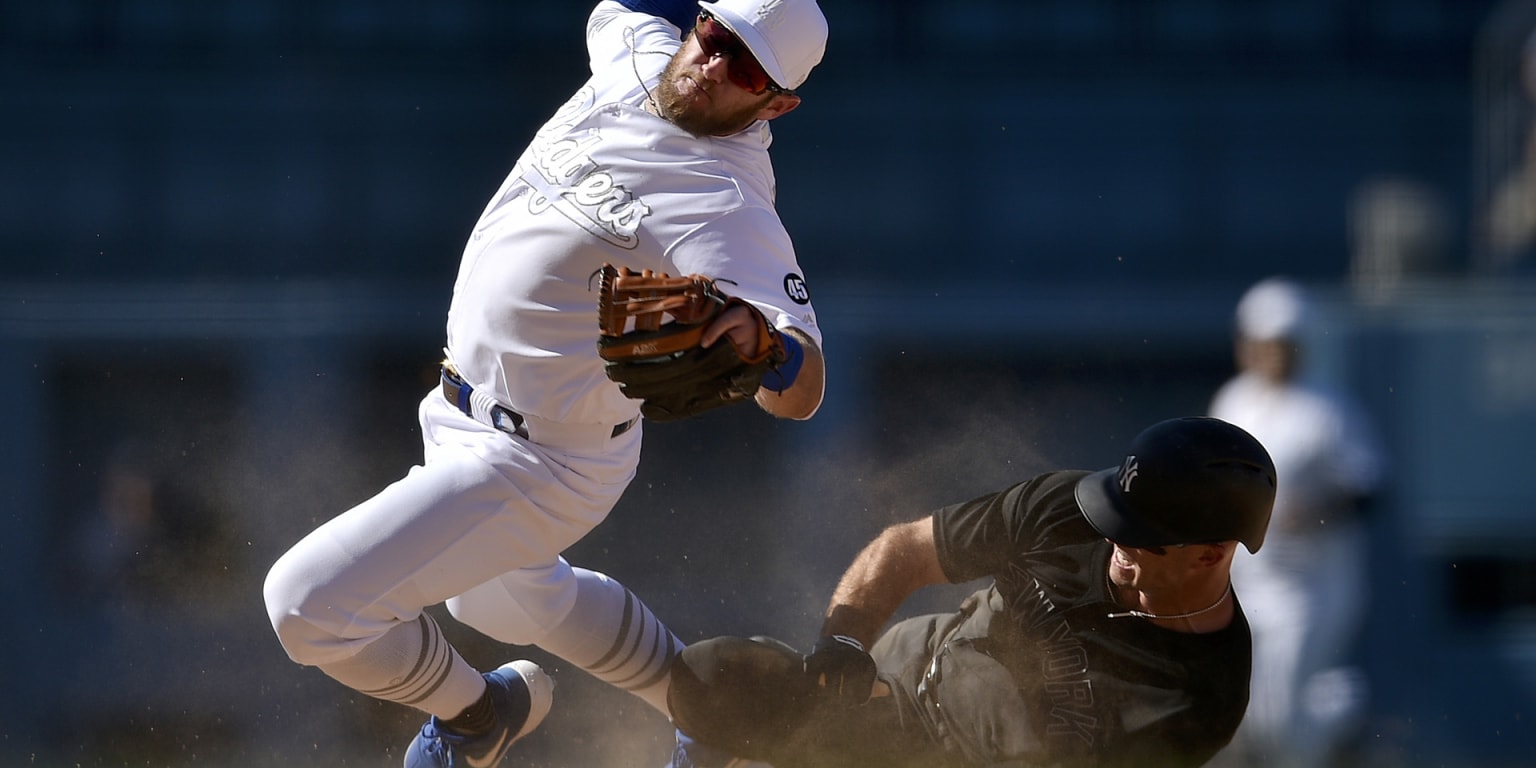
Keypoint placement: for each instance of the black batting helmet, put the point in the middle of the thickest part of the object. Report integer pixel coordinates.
(1185, 481)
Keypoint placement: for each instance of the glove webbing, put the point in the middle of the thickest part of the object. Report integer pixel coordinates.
(633, 305)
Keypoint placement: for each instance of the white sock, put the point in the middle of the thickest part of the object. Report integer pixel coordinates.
(612, 635)
(412, 664)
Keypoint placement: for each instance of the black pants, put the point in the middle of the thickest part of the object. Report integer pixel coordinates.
(751, 698)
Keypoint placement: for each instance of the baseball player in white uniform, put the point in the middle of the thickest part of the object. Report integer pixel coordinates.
(659, 161)
(1305, 592)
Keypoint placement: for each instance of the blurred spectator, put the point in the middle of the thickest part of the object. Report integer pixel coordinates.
(145, 540)
(1400, 229)
(1305, 591)
(1510, 226)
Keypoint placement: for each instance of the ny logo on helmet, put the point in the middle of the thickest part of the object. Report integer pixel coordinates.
(1127, 474)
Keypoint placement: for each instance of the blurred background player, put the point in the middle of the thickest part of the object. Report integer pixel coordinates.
(1305, 593)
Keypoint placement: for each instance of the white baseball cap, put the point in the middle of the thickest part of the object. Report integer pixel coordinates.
(1274, 308)
(788, 37)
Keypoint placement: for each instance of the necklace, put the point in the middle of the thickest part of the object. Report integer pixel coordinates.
(1144, 615)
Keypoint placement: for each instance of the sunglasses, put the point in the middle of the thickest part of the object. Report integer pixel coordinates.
(741, 68)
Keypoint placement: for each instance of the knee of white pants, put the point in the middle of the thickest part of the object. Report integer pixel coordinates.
(308, 621)
(519, 607)
(286, 609)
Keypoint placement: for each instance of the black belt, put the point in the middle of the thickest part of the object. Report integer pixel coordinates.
(458, 392)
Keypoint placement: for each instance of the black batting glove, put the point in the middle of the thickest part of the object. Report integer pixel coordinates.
(839, 668)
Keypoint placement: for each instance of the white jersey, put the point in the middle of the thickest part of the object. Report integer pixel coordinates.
(1305, 591)
(604, 180)
(1324, 456)
(1323, 450)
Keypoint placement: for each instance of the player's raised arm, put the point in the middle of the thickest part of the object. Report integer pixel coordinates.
(900, 561)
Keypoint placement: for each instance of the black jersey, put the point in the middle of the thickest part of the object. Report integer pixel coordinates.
(1033, 671)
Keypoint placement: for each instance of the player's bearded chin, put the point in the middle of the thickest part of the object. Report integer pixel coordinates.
(696, 114)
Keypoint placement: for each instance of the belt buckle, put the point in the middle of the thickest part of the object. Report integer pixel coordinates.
(619, 429)
(509, 421)
(502, 418)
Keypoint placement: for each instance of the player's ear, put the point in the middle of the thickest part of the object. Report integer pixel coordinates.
(780, 104)
(1211, 554)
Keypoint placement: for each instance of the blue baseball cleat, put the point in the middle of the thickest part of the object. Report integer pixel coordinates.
(521, 694)
(691, 754)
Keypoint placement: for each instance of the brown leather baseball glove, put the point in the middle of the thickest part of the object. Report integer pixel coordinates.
(650, 325)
